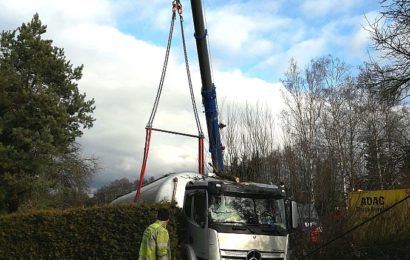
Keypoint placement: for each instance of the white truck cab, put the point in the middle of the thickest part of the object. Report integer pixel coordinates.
(226, 220)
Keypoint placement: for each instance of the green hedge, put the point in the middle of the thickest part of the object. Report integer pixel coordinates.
(110, 232)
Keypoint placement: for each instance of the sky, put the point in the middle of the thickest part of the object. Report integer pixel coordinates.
(121, 44)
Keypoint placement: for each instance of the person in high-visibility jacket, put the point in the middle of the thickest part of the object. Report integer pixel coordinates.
(155, 240)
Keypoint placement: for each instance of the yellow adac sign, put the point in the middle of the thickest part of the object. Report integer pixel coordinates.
(375, 201)
(363, 205)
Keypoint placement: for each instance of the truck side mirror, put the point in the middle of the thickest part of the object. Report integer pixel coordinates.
(294, 215)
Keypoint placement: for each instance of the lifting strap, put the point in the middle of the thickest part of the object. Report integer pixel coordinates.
(176, 8)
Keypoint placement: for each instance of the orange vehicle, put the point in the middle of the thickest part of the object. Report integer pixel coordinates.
(309, 221)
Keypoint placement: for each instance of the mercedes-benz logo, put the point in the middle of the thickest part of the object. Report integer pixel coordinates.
(253, 255)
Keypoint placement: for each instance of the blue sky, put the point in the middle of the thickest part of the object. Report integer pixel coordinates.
(259, 37)
(122, 44)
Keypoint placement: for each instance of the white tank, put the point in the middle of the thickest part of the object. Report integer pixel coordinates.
(170, 187)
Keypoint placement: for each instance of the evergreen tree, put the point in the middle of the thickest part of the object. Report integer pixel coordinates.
(42, 111)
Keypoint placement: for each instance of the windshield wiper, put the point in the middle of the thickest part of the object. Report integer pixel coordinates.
(242, 226)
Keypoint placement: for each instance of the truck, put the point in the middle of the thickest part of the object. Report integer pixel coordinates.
(225, 218)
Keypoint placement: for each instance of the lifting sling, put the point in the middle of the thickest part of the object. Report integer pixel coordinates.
(176, 8)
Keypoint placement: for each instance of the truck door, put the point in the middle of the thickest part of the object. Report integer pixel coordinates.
(197, 222)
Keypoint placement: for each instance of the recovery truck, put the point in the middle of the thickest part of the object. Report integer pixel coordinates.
(225, 219)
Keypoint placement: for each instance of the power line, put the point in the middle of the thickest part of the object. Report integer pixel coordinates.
(356, 227)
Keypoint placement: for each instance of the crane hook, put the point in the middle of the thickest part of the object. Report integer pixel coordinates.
(177, 6)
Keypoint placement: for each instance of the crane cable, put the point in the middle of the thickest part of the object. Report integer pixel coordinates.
(164, 71)
(176, 7)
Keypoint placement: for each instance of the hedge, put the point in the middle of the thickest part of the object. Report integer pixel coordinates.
(109, 232)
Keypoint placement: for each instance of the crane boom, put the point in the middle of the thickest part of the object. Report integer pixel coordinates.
(208, 88)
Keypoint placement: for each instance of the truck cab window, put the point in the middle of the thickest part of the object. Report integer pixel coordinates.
(246, 210)
(199, 213)
(225, 209)
(188, 205)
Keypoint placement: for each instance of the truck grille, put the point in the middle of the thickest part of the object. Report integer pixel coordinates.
(242, 255)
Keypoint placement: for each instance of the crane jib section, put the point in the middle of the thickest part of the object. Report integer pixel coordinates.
(208, 88)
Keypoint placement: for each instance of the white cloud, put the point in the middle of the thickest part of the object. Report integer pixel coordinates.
(122, 71)
(359, 42)
(263, 42)
(302, 52)
(308, 49)
(314, 8)
(154, 15)
(58, 13)
(227, 37)
(122, 74)
(361, 38)
(236, 32)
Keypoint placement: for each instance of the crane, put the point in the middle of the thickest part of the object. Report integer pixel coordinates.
(208, 96)
(212, 231)
(208, 91)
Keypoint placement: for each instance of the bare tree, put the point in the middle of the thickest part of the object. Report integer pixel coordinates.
(385, 136)
(340, 127)
(390, 33)
(111, 191)
(250, 141)
(305, 102)
(231, 137)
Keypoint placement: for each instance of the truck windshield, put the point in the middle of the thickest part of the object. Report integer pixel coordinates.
(246, 210)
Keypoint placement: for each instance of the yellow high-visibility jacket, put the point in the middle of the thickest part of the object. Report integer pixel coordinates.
(155, 243)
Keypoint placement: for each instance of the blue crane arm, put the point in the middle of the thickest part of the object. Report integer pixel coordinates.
(211, 114)
(208, 88)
